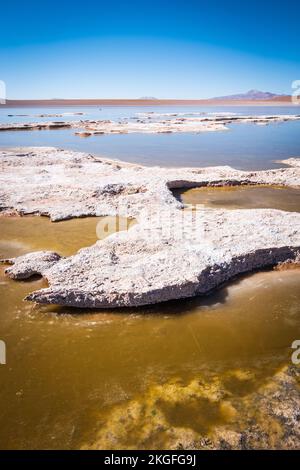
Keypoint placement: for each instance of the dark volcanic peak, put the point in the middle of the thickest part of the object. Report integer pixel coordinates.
(250, 95)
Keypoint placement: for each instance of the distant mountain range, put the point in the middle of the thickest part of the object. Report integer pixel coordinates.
(251, 95)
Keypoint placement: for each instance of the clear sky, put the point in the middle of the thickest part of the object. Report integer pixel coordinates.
(166, 49)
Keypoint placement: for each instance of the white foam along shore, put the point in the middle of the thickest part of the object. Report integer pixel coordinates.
(153, 123)
(169, 254)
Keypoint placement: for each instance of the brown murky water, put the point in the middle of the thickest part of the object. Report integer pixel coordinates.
(133, 378)
(243, 197)
(21, 235)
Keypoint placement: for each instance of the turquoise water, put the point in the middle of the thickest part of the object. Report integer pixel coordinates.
(244, 146)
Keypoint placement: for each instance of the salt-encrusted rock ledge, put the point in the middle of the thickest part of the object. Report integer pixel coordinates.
(169, 254)
(30, 264)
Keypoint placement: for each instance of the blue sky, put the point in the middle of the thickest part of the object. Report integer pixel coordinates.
(167, 49)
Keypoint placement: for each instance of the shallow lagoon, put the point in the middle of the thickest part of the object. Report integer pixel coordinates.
(244, 146)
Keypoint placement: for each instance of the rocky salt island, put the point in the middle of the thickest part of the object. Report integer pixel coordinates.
(152, 123)
(171, 253)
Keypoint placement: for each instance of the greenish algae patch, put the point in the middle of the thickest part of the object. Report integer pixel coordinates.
(205, 414)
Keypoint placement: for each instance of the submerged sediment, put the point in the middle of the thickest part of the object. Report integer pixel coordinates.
(264, 416)
(169, 254)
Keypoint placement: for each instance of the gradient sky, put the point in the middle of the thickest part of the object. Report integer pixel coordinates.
(166, 49)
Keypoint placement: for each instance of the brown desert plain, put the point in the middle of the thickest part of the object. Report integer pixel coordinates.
(278, 100)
